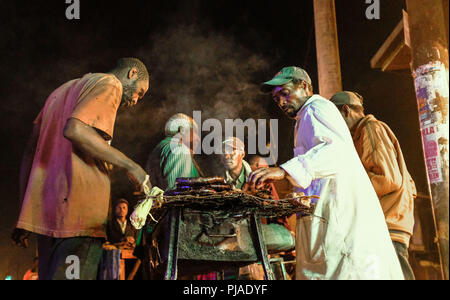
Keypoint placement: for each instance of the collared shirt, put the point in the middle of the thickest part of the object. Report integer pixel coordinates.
(239, 182)
(118, 232)
(123, 226)
(347, 236)
(68, 192)
(170, 160)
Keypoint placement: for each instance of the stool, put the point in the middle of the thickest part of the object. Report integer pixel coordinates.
(125, 254)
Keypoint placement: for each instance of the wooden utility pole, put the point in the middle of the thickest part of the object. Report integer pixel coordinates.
(328, 62)
(429, 49)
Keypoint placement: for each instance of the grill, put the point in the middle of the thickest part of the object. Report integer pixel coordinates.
(204, 233)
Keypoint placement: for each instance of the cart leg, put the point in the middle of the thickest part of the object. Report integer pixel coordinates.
(261, 248)
(171, 270)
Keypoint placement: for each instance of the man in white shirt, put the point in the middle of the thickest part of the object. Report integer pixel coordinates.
(346, 237)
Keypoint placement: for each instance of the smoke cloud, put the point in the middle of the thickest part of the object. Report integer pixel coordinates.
(191, 69)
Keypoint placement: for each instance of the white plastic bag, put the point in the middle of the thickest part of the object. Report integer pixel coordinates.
(142, 210)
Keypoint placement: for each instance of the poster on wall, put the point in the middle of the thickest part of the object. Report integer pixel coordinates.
(431, 149)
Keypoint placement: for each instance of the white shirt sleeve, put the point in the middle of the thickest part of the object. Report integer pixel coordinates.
(320, 133)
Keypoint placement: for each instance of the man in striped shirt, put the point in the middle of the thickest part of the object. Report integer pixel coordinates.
(173, 156)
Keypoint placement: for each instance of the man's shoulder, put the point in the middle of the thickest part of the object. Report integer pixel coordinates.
(171, 147)
(369, 122)
(103, 79)
(317, 104)
(163, 146)
(375, 129)
(89, 82)
(319, 98)
(111, 222)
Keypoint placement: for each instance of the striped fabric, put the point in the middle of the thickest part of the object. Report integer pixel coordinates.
(175, 160)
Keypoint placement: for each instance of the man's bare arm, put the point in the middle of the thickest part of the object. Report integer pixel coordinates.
(86, 139)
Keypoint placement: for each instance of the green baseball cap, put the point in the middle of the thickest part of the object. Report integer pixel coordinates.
(349, 98)
(287, 74)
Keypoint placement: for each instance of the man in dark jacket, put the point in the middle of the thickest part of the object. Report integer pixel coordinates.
(119, 230)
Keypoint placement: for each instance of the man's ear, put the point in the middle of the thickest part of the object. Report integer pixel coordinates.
(132, 74)
(346, 110)
(243, 155)
(307, 87)
(304, 85)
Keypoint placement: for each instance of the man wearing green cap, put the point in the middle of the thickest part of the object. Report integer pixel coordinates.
(383, 160)
(346, 237)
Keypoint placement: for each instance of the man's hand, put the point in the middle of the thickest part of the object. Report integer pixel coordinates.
(259, 177)
(131, 240)
(137, 175)
(20, 237)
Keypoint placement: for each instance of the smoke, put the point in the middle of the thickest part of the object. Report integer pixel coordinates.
(191, 69)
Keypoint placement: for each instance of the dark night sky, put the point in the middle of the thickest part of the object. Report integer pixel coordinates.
(202, 55)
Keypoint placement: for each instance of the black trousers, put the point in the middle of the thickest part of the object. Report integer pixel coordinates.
(402, 253)
(69, 258)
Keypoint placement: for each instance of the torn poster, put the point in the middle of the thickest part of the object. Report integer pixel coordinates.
(431, 84)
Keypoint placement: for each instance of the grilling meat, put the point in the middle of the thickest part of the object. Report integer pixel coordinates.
(199, 186)
(200, 181)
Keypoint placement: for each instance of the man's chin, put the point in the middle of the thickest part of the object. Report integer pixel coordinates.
(290, 114)
(127, 104)
(228, 166)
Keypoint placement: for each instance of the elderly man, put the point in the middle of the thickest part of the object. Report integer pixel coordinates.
(346, 237)
(382, 157)
(65, 186)
(237, 169)
(173, 156)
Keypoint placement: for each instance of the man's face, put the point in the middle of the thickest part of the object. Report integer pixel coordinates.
(289, 98)
(351, 116)
(121, 210)
(133, 91)
(232, 158)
